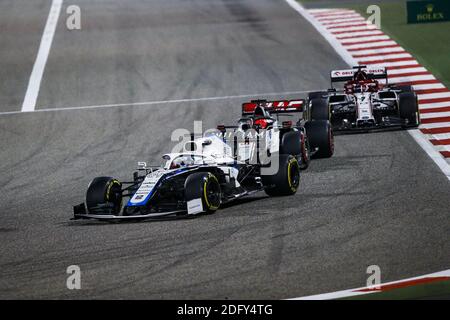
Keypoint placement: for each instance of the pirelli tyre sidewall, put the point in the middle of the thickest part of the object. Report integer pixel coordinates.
(104, 191)
(204, 186)
(287, 179)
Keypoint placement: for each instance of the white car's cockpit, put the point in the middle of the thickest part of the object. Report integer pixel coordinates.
(182, 160)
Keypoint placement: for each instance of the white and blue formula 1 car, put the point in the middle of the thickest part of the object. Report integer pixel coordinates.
(188, 183)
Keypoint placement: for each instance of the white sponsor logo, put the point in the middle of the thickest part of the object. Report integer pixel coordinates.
(350, 73)
(195, 206)
(146, 187)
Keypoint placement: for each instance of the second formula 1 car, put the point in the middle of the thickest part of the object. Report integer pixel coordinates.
(303, 139)
(364, 103)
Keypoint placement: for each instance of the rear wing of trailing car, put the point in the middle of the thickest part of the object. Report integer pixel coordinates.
(372, 72)
(273, 107)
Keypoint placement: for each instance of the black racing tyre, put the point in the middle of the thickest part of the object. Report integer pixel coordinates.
(204, 186)
(286, 181)
(404, 88)
(409, 108)
(104, 194)
(291, 143)
(317, 95)
(320, 135)
(319, 109)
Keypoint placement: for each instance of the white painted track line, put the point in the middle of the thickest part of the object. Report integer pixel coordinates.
(34, 84)
(161, 102)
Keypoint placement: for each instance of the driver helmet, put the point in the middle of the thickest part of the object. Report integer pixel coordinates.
(180, 162)
(263, 123)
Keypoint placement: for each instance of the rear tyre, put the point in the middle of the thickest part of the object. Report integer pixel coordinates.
(320, 136)
(287, 179)
(204, 186)
(319, 109)
(104, 196)
(295, 143)
(291, 143)
(409, 108)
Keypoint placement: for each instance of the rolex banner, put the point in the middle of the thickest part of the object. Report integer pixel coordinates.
(428, 11)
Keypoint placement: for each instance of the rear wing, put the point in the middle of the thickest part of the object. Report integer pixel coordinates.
(281, 106)
(348, 74)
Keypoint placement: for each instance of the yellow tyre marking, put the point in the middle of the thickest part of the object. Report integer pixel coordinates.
(205, 193)
(109, 188)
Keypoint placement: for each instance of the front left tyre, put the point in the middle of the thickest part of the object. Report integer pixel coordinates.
(104, 196)
(204, 186)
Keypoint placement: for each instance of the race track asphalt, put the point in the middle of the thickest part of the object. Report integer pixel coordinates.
(380, 200)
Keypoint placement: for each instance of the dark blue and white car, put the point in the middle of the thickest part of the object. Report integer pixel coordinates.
(188, 183)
